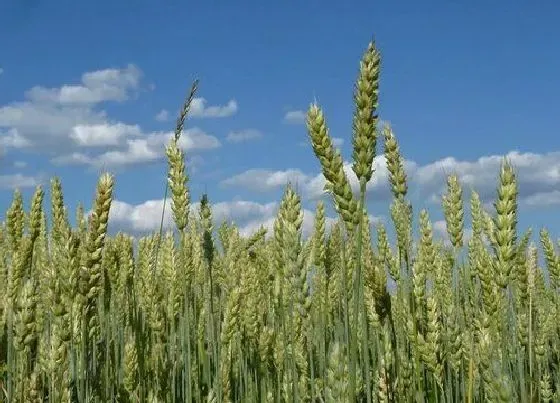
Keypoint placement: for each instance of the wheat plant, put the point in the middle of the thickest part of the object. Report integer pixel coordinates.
(203, 314)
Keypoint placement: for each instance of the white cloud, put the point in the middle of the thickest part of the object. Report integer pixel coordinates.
(543, 199)
(48, 117)
(378, 183)
(41, 126)
(311, 186)
(538, 178)
(100, 135)
(138, 151)
(97, 86)
(12, 139)
(262, 180)
(18, 181)
(295, 117)
(75, 158)
(200, 110)
(146, 216)
(243, 135)
(20, 164)
(243, 211)
(266, 215)
(145, 148)
(162, 116)
(249, 216)
(537, 174)
(66, 124)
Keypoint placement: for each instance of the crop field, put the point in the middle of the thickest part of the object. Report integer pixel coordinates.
(348, 314)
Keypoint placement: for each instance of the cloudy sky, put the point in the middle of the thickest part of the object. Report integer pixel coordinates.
(93, 86)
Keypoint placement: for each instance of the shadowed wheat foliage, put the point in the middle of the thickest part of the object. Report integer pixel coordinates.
(202, 314)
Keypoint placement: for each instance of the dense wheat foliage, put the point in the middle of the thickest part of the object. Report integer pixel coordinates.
(202, 314)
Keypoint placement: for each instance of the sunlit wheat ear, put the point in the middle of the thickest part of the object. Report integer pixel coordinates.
(177, 177)
(291, 216)
(177, 174)
(287, 228)
(552, 258)
(332, 167)
(177, 181)
(433, 338)
(207, 228)
(477, 221)
(58, 210)
(453, 210)
(26, 325)
(366, 96)
(395, 164)
(90, 286)
(35, 214)
(505, 230)
(545, 386)
(337, 378)
(15, 221)
(384, 250)
(319, 235)
(401, 215)
(520, 273)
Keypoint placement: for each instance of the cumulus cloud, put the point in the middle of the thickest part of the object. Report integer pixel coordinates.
(262, 180)
(97, 86)
(143, 217)
(100, 135)
(249, 216)
(146, 216)
(295, 117)
(538, 178)
(243, 135)
(48, 117)
(147, 148)
(39, 126)
(13, 139)
(18, 181)
(538, 175)
(544, 199)
(67, 124)
(311, 186)
(199, 109)
(162, 116)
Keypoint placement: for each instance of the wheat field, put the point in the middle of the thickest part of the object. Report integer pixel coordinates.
(202, 314)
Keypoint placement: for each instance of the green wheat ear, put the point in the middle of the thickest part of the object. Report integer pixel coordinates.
(505, 222)
(332, 167)
(395, 164)
(366, 96)
(453, 210)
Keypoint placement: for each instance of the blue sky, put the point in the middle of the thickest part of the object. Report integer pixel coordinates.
(87, 86)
